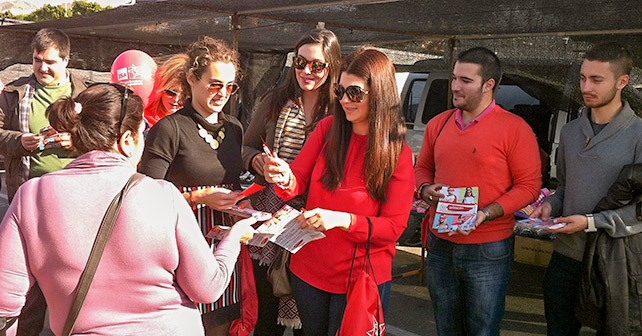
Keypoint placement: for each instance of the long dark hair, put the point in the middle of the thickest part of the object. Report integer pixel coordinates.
(290, 89)
(386, 129)
(95, 123)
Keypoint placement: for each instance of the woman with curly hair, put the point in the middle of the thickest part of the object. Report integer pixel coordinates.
(198, 148)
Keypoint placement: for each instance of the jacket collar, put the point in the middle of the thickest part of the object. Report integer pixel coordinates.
(20, 84)
(622, 120)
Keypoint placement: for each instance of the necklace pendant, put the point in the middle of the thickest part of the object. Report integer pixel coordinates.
(221, 134)
(209, 138)
(202, 133)
(214, 144)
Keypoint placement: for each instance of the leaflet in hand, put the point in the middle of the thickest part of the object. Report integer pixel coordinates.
(284, 230)
(281, 229)
(458, 210)
(540, 223)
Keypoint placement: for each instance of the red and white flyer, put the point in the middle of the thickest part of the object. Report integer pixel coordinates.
(457, 210)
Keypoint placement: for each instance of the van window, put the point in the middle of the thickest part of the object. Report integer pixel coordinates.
(437, 99)
(412, 101)
(510, 95)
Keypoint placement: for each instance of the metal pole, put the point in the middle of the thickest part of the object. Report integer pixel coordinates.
(235, 26)
(451, 65)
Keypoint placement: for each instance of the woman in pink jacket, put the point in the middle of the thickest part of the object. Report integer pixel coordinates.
(156, 260)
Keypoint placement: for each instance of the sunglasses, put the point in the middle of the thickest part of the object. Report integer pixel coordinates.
(355, 93)
(230, 87)
(171, 93)
(300, 62)
(126, 91)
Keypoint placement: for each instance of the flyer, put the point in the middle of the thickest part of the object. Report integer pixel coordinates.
(458, 210)
(281, 229)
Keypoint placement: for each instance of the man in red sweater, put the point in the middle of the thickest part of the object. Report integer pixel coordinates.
(478, 144)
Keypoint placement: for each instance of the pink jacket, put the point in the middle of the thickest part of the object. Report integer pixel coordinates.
(155, 261)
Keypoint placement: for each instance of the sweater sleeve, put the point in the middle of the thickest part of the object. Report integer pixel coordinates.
(393, 219)
(202, 277)
(304, 163)
(525, 168)
(14, 272)
(252, 143)
(161, 146)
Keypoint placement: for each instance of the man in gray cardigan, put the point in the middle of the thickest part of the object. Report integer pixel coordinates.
(593, 149)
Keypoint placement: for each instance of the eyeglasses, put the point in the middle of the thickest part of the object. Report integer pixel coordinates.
(230, 87)
(171, 93)
(355, 93)
(300, 62)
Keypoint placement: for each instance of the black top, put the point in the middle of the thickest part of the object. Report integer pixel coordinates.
(174, 150)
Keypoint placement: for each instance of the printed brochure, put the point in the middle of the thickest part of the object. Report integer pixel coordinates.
(458, 210)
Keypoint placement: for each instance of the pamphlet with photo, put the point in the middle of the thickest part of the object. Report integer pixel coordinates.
(457, 210)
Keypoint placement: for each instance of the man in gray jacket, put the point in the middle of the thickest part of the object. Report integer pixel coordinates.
(593, 149)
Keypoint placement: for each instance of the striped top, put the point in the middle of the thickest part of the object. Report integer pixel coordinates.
(290, 133)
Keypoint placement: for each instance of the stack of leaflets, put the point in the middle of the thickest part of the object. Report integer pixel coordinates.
(458, 210)
(281, 229)
(536, 228)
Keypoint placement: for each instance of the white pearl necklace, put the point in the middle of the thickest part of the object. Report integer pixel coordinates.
(214, 143)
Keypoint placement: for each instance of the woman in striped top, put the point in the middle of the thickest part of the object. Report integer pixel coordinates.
(283, 119)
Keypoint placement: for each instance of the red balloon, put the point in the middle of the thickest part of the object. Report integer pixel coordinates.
(135, 69)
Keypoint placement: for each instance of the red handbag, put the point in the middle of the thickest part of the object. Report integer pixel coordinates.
(363, 314)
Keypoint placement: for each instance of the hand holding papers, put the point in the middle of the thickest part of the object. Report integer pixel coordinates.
(458, 210)
(281, 229)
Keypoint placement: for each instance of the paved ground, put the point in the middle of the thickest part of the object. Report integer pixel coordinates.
(410, 312)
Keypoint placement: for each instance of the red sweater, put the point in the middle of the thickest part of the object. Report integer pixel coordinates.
(325, 263)
(499, 155)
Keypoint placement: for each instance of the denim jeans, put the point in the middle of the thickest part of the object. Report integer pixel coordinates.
(561, 283)
(468, 284)
(321, 312)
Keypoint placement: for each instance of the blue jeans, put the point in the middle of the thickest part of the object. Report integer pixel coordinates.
(468, 284)
(561, 283)
(321, 312)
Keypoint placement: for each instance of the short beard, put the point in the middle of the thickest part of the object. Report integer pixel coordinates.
(603, 102)
(472, 102)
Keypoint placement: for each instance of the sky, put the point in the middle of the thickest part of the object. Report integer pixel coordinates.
(113, 3)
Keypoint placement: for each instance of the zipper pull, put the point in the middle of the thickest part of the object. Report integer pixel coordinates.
(588, 139)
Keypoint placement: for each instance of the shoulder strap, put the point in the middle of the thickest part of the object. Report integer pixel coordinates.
(104, 231)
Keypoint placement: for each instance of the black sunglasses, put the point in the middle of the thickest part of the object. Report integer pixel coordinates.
(171, 93)
(230, 87)
(355, 93)
(300, 62)
(126, 91)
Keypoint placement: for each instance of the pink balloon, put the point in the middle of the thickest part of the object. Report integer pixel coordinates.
(135, 69)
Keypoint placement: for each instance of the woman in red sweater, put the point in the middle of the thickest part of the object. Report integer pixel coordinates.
(346, 186)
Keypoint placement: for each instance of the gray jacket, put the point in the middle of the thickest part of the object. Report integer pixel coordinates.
(587, 165)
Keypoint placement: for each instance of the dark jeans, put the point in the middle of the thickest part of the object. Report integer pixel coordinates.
(321, 312)
(561, 283)
(468, 284)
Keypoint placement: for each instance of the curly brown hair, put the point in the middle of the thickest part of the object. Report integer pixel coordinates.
(205, 51)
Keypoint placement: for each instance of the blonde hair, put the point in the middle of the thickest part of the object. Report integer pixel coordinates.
(168, 76)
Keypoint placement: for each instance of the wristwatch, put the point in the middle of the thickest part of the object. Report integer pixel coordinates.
(486, 213)
(591, 223)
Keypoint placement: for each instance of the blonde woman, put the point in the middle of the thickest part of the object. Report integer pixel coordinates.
(167, 96)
